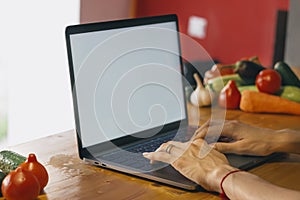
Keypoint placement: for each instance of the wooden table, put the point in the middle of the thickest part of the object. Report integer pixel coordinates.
(70, 178)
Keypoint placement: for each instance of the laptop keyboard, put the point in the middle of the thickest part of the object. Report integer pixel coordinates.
(149, 146)
(132, 156)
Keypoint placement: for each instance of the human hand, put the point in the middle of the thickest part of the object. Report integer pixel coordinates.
(196, 160)
(247, 139)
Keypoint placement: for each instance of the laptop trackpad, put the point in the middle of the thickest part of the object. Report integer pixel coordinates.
(248, 162)
(169, 175)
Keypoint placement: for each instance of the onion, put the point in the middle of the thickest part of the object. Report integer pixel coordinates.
(20, 184)
(37, 169)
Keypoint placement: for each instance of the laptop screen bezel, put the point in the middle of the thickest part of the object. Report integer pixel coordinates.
(84, 152)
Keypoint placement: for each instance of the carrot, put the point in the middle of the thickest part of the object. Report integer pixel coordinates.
(258, 102)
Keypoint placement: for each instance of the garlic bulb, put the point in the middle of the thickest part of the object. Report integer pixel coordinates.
(200, 96)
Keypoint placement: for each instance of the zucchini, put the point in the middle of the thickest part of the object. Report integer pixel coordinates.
(10, 160)
(290, 92)
(2, 176)
(288, 77)
(216, 84)
(247, 87)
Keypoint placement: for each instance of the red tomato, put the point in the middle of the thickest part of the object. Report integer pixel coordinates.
(37, 169)
(268, 81)
(20, 184)
(230, 96)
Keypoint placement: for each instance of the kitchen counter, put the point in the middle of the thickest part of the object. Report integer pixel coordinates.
(71, 178)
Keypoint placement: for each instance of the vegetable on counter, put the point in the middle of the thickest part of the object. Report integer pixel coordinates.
(217, 84)
(259, 102)
(272, 90)
(10, 160)
(221, 69)
(21, 176)
(248, 70)
(247, 87)
(217, 70)
(229, 96)
(37, 169)
(290, 92)
(200, 96)
(20, 184)
(2, 176)
(268, 81)
(287, 74)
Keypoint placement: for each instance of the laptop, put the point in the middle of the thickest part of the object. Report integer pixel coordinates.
(128, 94)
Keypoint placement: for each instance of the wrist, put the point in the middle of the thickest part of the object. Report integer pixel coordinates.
(286, 141)
(216, 176)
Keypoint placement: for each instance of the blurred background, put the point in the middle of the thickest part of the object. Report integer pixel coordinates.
(35, 94)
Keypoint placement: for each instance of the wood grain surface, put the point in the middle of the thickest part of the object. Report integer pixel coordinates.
(71, 178)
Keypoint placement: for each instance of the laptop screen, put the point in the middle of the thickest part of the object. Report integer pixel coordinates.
(127, 79)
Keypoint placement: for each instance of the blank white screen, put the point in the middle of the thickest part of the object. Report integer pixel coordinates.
(127, 80)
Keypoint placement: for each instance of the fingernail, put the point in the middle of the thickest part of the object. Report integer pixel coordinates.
(145, 154)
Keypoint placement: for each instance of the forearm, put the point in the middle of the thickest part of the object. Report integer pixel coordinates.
(287, 141)
(243, 185)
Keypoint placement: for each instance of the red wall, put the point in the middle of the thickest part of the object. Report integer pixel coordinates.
(104, 10)
(235, 29)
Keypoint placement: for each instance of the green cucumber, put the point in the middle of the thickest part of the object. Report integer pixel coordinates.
(10, 160)
(288, 77)
(290, 92)
(247, 87)
(2, 176)
(216, 84)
